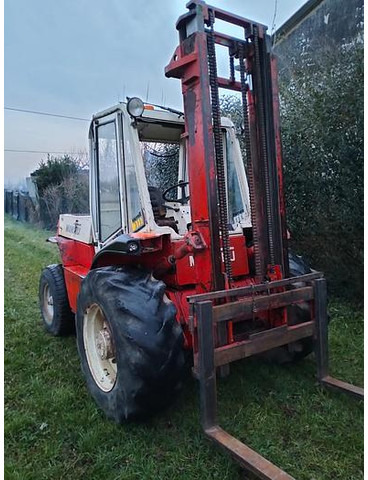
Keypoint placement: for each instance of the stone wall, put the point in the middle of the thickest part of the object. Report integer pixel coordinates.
(329, 24)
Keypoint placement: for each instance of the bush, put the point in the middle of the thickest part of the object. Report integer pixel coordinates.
(322, 132)
(53, 171)
(322, 135)
(63, 187)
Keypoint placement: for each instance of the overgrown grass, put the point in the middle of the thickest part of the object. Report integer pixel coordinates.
(53, 429)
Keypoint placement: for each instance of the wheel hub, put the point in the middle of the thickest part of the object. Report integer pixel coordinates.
(98, 343)
(104, 344)
(48, 305)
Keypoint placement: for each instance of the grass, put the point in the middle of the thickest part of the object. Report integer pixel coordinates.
(53, 429)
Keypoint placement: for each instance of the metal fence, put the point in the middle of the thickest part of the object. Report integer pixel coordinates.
(19, 205)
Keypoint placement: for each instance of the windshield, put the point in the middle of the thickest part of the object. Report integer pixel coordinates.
(164, 169)
(161, 163)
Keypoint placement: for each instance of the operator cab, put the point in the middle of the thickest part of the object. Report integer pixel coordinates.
(139, 175)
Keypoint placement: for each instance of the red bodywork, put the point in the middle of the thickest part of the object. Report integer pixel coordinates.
(77, 258)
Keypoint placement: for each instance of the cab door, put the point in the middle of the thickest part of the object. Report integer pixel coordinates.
(108, 204)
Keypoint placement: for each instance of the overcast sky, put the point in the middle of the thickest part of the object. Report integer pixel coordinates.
(76, 57)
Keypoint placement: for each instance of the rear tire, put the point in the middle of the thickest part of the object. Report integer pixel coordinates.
(129, 342)
(297, 313)
(57, 317)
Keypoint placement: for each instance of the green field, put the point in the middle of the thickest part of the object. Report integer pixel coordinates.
(53, 429)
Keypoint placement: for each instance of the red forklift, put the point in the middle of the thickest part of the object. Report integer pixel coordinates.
(184, 259)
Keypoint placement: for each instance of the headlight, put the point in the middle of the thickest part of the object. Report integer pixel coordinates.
(135, 107)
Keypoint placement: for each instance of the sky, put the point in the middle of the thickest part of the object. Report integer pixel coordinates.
(76, 58)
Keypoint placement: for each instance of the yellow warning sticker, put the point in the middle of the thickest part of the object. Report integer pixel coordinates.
(137, 222)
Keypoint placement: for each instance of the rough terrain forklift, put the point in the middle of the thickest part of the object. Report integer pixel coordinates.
(184, 257)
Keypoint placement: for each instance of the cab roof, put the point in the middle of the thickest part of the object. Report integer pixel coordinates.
(152, 112)
(152, 117)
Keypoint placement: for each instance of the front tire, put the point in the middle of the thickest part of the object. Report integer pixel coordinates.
(129, 342)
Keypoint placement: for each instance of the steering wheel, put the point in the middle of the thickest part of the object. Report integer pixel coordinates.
(183, 198)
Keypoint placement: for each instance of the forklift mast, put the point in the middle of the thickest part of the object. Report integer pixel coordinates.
(194, 63)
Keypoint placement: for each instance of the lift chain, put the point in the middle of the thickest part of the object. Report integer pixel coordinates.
(219, 154)
(264, 156)
(232, 68)
(249, 168)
